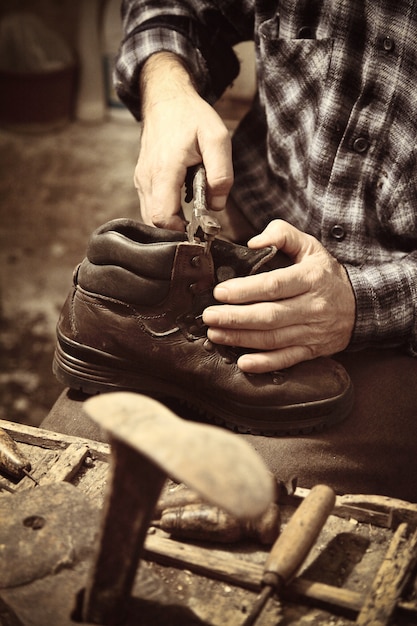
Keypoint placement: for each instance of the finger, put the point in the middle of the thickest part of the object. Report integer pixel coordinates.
(216, 149)
(262, 362)
(268, 286)
(259, 316)
(262, 340)
(160, 197)
(170, 222)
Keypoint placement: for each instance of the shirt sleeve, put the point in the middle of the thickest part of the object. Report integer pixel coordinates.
(137, 48)
(203, 39)
(386, 305)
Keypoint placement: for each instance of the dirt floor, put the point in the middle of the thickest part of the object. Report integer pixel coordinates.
(56, 187)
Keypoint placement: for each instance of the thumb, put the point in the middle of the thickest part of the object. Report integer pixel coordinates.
(285, 237)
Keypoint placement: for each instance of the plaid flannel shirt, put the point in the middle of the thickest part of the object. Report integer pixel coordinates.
(329, 143)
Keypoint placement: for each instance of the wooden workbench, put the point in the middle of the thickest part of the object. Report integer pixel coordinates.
(358, 562)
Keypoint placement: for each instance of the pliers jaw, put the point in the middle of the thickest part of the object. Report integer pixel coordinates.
(203, 226)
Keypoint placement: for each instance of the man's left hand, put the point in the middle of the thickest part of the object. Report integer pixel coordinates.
(286, 315)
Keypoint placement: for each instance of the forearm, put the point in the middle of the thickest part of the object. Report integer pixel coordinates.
(136, 51)
(163, 78)
(201, 36)
(386, 305)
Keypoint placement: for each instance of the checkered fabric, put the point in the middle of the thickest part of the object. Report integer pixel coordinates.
(329, 143)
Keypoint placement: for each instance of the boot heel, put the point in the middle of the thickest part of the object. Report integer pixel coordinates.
(78, 374)
(92, 371)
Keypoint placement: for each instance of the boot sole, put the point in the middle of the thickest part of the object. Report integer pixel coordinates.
(92, 371)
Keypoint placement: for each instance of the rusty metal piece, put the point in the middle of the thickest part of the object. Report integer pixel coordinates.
(148, 444)
(205, 522)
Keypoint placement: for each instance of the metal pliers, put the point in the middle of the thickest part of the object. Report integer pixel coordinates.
(203, 227)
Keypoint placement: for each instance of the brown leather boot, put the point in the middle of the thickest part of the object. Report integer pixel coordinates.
(133, 321)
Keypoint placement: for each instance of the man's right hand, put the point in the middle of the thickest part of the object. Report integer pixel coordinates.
(180, 129)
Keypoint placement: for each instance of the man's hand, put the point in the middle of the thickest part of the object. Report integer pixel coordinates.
(180, 129)
(286, 315)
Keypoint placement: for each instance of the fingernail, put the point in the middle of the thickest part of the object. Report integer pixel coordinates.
(255, 239)
(221, 293)
(245, 363)
(215, 335)
(210, 316)
(218, 202)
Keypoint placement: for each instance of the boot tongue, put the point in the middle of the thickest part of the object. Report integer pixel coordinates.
(231, 260)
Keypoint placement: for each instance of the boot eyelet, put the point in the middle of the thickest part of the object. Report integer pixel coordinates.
(208, 345)
(278, 377)
(193, 287)
(196, 261)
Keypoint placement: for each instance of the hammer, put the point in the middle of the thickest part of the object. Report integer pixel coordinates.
(148, 444)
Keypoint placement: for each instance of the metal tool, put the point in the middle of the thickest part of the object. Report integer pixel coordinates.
(293, 545)
(204, 522)
(12, 461)
(203, 223)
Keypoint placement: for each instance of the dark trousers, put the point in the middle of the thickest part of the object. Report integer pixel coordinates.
(373, 451)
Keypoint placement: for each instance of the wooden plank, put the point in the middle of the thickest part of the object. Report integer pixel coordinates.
(92, 480)
(379, 510)
(386, 589)
(232, 569)
(51, 440)
(207, 562)
(40, 468)
(68, 464)
(397, 510)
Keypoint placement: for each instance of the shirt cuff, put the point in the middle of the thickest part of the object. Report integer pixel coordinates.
(386, 301)
(136, 49)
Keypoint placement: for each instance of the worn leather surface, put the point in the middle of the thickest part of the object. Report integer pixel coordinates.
(133, 262)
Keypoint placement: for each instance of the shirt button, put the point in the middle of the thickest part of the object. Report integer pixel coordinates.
(338, 232)
(388, 44)
(305, 32)
(361, 144)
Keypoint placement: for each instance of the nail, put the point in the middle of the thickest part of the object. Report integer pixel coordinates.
(221, 293)
(218, 202)
(215, 335)
(246, 363)
(210, 316)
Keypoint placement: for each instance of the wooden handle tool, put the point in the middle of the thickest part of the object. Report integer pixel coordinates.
(293, 545)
